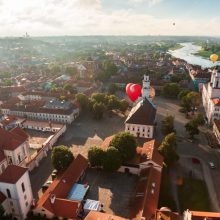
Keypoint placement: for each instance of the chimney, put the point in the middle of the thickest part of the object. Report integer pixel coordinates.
(52, 198)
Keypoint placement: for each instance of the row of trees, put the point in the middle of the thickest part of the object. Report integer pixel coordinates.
(189, 101)
(100, 102)
(122, 148)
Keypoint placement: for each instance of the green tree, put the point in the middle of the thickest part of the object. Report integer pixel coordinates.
(112, 159)
(68, 87)
(171, 90)
(110, 68)
(83, 100)
(183, 93)
(195, 100)
(192, 128)
(100, 97)
(185, 104)
(61, 157)
(168, 149)
(96, 156)
(199, 119)
(167, 125)
(55, 69)
(124, 105)
(113, 102)
(98, 110)
(126, 145)
(71, 70)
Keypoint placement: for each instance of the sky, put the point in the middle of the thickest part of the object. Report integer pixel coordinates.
(109, 17)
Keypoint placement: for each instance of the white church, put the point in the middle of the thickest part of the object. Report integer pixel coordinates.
(211, 97)
(141, 120)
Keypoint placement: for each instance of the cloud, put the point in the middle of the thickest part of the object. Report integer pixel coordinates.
(149, 2)
(88, 17)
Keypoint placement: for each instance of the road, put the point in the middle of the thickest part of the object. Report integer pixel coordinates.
(199, 149)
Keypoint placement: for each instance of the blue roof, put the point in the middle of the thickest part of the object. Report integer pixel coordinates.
(78, 192)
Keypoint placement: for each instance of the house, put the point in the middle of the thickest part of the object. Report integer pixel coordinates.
(199, 215)
(7, 122)
(55, 201)
(93, 215)
(216, 129)
(60, 111)
(16, 195)
(14, 146)
(211, 97)
(147, 192)
(141, 119)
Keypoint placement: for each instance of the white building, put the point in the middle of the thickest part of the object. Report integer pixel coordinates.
(141, 120)
(211, 97)
(14, 146)
(15, 192)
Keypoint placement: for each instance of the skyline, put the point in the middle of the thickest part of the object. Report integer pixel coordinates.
(104, 17)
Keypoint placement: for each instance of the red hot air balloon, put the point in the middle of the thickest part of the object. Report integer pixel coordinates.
(128, 87)
(133, 91)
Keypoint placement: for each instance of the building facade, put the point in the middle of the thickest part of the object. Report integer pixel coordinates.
(211, 97)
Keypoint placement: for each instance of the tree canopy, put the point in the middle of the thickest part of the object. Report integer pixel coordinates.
(112, 159)
(96, 156)
(126, 145)
(167, 125)
(168, 149)
(61, 157)
(98, 110)
(192, 128)
(83, 100)
(171, 90)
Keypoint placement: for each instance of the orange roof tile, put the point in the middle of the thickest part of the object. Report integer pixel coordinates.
(216, 101)
(204, 214)
(12, 174)
(147, 194)
(102, 216)
(150, 152)
(62, 185)
(105, 144)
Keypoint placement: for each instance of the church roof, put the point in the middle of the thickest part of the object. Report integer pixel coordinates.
(143, 113)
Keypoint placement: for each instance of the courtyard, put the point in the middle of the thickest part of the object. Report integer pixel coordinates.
(113, 190)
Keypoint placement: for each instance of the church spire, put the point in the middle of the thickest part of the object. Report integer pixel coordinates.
(146, 87)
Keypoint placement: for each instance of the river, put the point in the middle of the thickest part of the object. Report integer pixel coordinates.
(187, 53)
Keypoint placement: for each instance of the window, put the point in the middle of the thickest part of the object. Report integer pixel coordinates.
(128, 128)
(3, 167)
(12, 210)
(11, 203)
(133, 129)
(22, 186)
(8, 193)
(26, 203)
(143, 130)
(25, 197)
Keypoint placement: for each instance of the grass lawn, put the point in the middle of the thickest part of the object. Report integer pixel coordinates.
(193, 195)
(166, 199)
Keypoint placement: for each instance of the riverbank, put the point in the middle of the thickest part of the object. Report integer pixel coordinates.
(205, 54)
(176, 47)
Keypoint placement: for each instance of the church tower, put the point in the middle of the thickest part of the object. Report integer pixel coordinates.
(146, 87)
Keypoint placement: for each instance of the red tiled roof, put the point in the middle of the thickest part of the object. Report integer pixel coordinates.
(2, 197)
(216, 101)
(61, 187)
(10, 140)
(105, 144)
(102, 216)
(8, 120)
(66, 208)
(12, 174)
(150, 152)
(202, 215)
(147, 194)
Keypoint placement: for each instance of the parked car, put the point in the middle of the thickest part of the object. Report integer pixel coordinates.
(46, 185)
(212, 165)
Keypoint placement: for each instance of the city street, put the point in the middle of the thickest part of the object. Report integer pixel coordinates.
(186, 149)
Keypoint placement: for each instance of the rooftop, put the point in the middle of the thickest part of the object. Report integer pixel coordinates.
(143, 113)
(102, 216)
(12, 174)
